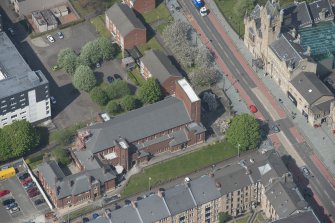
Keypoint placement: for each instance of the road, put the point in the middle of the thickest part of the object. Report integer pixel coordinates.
(319, 184)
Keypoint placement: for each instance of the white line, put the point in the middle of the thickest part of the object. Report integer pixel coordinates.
(333, 203)
(317, 180)
(326, 193)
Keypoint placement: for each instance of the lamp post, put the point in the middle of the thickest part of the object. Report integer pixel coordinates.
(238, 150)
(149, 183)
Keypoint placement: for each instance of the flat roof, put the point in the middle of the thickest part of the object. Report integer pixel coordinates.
(188, 90)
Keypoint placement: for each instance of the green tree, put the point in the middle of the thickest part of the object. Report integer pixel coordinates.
(5, 146)
(90, 54)
(67, 59)
(62, 156)
(150, 91)
(99, 96)
(129, 102)
(244, 130)
(224, 217)
(114, 108)
(117, 89)
(22, 136)
(84, 78)
(106, 48)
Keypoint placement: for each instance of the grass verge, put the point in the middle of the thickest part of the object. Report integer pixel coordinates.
(80, 212)
(180, 166)
(135, 77)
(151, 44)
(160, 12)
(99, 24)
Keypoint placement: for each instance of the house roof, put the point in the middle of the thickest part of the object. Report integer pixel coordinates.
(318, 6)
(152, 209)
(159, 65)
(302, 217)
(87, 159)
(124, 18)
(28, 6)
(179, 199)
(126, 214)
(51, 172)
(310, 87)
(296, 16)
(204, 190)
(138, 124)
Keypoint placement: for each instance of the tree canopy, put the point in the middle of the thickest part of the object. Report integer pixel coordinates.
(244, 130)
(67, 59)
(62, 156)
(17, 139)
(106, 48)
(99, 96)
(129, 103)
(84, 78)
(90, 54)
(150, 91)
(113, 108)
(117, 89)
(204, 76)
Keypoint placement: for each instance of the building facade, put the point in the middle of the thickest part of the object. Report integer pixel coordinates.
(141, 6)
(126, 29)
(26, 7)
(24, 94)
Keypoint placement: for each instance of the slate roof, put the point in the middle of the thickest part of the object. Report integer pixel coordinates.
(296, 16)
(138, 124)
(51, 171)
(179, 199)
(126, 214)
(124, 18)
(152, 209)
(28, 6)
(87, 159)
(204, 190)
(302, 217)
(159, 65)
(310, 87)
(272, 9)
(316, 7)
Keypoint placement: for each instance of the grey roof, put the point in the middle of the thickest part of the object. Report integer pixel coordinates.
(204, 190)
(124, 18)
(285, 198)
(179, 199)
(302, 217)
(152, 209)
(317, 6)
(256, 12)
(179, 137)
(100, 219)
(159, 65)
(272, 9)
(15, 74)
(126, 214)
(196, 127)
(49, 17)
(87, 159)
(28, 6)
(138, 124)
(51, 171)
(296, 16)
(310, 87)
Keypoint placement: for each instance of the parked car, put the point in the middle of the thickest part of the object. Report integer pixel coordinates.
(60, 35)
(110, 79)
(11, 205)
(275, 129)
(24, 176)
(203, 11)
(29, 185)
(8, 201)
(4, 192)
(85, 220)
(53, 100)
(32, 189)
(98, 65)
(14, 210)
(117, 77)
(95, 215)
(305, 171)
(27, 180)
(33, 194)
(50, 38)
(11, 31)
(253, 108)
(39, 201)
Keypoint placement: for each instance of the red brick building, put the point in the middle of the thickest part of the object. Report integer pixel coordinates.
(168, 125)
(127, 30)
(141, 6)
(157, 65)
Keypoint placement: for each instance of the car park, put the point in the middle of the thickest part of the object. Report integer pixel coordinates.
(110, 79)
(60, 35)
(39, 201)
(50, 38)
(14, 210)
(4, 192)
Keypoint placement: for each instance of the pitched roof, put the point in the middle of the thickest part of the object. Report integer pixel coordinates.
(126, 214)
(310, 87)
(28, 6)
(179, 199)
(204, 190)
(296, 16)
(152, 209)
(159, 65)
(302, 217)
(138, 124)
(51, 171)
(124, 18)
(318, 6)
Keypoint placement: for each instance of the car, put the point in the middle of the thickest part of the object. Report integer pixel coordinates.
(50, 38)
(275, 129)
(117, 77)
(53, 100)
(11, 205)
(11, 31)
(14, 210)
(85, 220)
(24, 176)
(8, 201)
(98, 65)
(33, 194)
(39, 201)
(95, 215)
(253, 108)
(203, 11)
(305, 171)
(110, 79)
(29, 185)
(32, 189)
(4, 192)
(26, 181)
(60, 35)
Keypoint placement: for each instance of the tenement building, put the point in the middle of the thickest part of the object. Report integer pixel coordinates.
(262, 181)
(292, 44)
(24, 94)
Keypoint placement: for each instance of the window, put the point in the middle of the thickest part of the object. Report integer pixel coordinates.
(13, 103)
(4, 106)
(12, 98)
(23, 104)
(22, 95)
(3, 101)
(4, 119)
(22, 113)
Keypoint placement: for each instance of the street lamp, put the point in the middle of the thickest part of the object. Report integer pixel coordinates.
(149, 183)
(238, 149)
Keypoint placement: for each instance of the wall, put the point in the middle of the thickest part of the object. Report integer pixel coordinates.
(134, 38)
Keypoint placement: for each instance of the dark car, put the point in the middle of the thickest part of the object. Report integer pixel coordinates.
(95, 215)
(85, 220)
(117, 77)
(24, 176)
(11, 205)
(33, 194)
(26, 181)
(305, 171)
(39, 201)
(110, 79)
(32, 189)
(4, 192)
(8, 201)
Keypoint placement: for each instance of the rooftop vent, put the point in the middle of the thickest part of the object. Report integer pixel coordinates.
(310, 90)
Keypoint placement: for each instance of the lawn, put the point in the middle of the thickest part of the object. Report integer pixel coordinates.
(151, 44)
(99, 24)
(243, 219)
(80, 212)
(160, 12)
(259, 218)
(135, 76)
(87, 7)
(180, 166)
